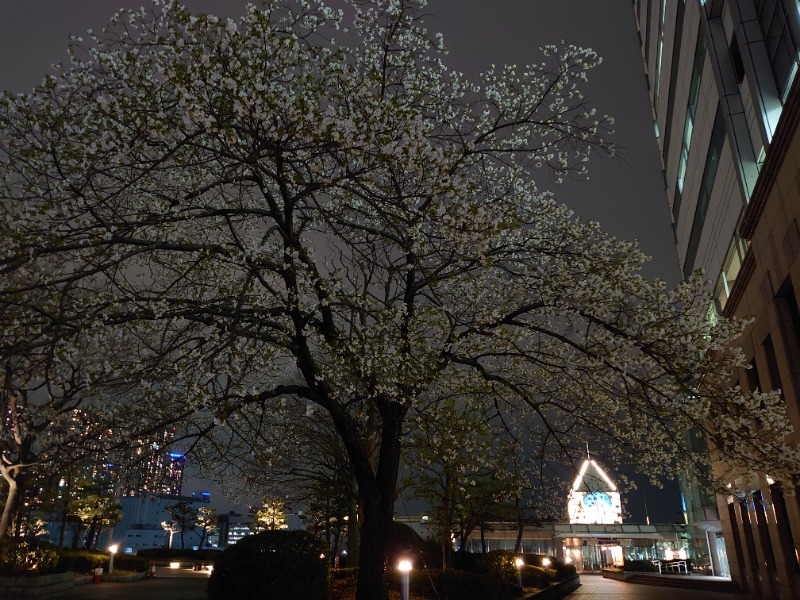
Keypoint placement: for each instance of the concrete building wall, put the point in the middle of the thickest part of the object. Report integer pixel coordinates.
(765, 510)
(734, 193)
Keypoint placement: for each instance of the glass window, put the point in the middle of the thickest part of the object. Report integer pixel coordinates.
(688, 126)
(780, 45)
(704, 197)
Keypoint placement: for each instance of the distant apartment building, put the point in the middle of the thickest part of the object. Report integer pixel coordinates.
(725, 98)
(147, 522)
(150, 464)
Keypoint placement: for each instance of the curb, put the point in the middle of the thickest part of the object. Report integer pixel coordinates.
(555, 592)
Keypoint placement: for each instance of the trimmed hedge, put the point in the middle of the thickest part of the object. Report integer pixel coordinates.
(84, 561)
(272, 564)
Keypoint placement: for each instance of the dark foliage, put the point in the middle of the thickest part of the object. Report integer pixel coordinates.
(84, 561)
(286, 565)
(562, 570)
(406, 544)
(20, 556)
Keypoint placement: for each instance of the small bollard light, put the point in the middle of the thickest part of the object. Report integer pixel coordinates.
(545, 562)
(519, 562)
(404, 566)
(113, 550)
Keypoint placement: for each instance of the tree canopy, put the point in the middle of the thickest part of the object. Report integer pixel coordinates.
(302, 204)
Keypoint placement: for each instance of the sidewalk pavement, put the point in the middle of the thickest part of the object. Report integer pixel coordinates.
(185, 584)
(168, 584)
(595, 587)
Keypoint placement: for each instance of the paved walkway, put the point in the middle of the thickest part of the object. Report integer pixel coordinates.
(597, 588)
(169, 584)
(184, 584)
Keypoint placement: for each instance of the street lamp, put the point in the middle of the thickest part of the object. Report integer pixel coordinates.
(404, 566)
(519, 562)
(113, 550)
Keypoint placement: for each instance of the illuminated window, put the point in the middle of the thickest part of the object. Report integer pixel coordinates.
(730, 271)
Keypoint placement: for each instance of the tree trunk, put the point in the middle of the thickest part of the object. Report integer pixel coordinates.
(483, 539)
(518, 544)
(445, 530)
(90, 536)
(62, 530)
(377, 488)
(11, 501)
(353, 532)
(76, 535)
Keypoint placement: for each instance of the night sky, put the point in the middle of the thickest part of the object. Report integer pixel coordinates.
(625, 194)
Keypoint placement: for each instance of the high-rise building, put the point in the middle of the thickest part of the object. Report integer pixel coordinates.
(150, 464)
(726, 106)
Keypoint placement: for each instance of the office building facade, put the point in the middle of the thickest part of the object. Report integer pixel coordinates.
(725, 97)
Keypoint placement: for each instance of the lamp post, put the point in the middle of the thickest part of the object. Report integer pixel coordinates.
(113, 550)
(404, 566)
(519, 562)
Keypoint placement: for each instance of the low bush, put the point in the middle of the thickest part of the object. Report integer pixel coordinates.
(25, 556)
(272, 564)
(80, 561)
(346, 573)
(641, 566)
(128, 562)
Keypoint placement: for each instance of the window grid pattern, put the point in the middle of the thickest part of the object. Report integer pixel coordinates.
(706, 185)
(688, 126)
(780, 45)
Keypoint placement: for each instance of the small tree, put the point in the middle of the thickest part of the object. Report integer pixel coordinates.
(184, 518)
(270, 516)
(207, 518)
(97, 512)
(461, 468)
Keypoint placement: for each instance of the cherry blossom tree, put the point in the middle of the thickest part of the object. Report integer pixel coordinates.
(302, 204)
(457, 463)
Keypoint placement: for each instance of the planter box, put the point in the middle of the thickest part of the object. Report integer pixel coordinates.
(625, 575)
(557, 591)
(41, 587)
(617, 575)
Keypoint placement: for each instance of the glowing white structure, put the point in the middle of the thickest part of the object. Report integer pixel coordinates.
(594, 498)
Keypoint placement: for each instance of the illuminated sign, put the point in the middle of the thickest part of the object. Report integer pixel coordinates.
(593, 504)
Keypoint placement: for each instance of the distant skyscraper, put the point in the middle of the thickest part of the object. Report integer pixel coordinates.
(726, 105)
(151, 464)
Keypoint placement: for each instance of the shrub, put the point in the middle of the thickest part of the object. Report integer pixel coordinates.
(406, 543)
(19, 556)
(272, 564)
(498, 564)
(555, 569)
(80, 561)
(642, 566)
(128, 562)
